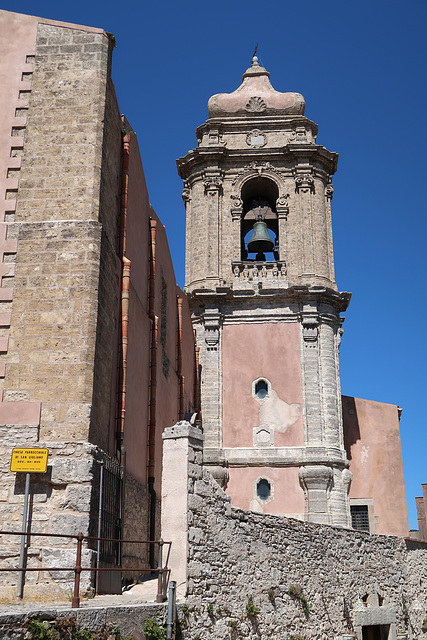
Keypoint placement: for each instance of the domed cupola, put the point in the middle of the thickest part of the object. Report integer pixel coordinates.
(255, 96)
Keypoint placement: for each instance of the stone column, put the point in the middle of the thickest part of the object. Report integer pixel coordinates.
(331, 397)
(186, 198)
(182, 455)
(329, 192)
(316, 481)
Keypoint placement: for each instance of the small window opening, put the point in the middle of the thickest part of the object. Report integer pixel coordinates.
(261, 389)
(263, 489)
(360, 517)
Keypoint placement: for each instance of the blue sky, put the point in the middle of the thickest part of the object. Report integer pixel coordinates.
(361, 69)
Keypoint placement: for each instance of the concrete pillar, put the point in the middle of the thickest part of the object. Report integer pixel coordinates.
(182, 447)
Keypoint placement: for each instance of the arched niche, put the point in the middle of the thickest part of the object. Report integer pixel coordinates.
(255, 190)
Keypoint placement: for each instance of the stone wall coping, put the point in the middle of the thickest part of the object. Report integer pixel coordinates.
(182, 429)
(59, 23)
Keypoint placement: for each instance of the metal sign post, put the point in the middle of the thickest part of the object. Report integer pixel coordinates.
(20, 591)
(28, 461)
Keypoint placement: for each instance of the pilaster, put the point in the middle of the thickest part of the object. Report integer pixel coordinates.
(213, 192)
(312, 410)
(316, 481)
(210, 343)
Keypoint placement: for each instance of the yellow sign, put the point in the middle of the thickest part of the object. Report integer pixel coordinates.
(29, 460)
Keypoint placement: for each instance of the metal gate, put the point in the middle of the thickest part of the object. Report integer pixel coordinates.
(110, 516)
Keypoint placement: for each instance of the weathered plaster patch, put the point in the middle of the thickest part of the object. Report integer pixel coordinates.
(364, 454)
(278, 414)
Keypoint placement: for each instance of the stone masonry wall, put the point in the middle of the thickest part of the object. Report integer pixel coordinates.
(64, 291)
(238, 556)
(136, 520)
(103, 426)
(54, 314)
(59, 502)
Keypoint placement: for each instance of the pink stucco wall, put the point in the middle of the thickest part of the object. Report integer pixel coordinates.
(372, 442)
(17, 41)
(272, 351)
(288, 495)
(252, 351)
(138, 369)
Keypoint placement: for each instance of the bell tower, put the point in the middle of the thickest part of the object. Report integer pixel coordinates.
(265, 305)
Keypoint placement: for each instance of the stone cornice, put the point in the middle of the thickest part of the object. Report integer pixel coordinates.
(200, 157)
(277, 456)
(299, 294)
(265, 123)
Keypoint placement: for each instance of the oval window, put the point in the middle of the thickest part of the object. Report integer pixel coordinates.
(263, 489)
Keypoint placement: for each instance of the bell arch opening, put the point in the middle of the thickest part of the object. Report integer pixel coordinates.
(259, 229)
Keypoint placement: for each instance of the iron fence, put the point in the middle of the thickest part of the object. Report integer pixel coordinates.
(162, 571)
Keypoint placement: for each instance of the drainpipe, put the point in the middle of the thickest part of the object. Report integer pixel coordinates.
(124, 294)
(196, 379)
(124, 190)
(124, 346)
(179, 361)
(151, 440)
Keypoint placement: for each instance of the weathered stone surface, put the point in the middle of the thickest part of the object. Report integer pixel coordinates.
(69, 524)
(67, 558)
(13, 626)
(77, 497)
(348, 579)
(71, 470)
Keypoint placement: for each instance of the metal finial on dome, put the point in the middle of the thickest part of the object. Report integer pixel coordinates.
(255, 95)
(254, 57)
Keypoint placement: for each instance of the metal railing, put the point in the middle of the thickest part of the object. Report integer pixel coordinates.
(162, 571)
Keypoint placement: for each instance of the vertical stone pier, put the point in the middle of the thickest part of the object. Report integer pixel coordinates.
(182, 460)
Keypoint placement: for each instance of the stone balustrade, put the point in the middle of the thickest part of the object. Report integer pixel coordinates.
(253, 272)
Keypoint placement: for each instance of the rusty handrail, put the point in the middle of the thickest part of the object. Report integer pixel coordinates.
(75, 603)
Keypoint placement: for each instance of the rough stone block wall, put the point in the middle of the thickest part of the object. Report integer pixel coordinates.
(53, 330)
(54, 314)
(59, 502)
(237, 557)
(102, 427)
(62, 319)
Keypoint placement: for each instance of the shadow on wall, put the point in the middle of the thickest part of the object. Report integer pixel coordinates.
(350, 424)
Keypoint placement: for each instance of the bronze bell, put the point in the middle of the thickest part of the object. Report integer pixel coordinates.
(260, 241)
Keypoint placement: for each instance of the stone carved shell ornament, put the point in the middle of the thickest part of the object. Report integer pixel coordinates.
(255, 105)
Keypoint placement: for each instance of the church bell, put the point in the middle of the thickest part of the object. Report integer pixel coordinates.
(260, 241)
